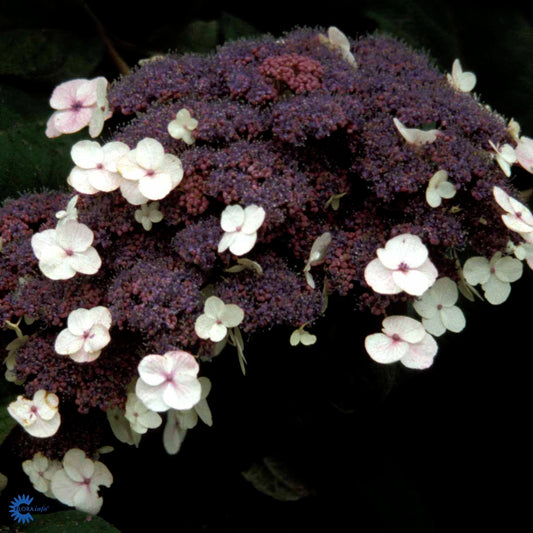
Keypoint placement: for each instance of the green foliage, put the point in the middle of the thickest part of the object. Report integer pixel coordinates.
(67, 521)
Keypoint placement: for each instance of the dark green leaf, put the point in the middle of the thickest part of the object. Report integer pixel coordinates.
(67, 521)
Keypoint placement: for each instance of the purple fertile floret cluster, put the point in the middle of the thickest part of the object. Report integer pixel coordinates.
(285, 124)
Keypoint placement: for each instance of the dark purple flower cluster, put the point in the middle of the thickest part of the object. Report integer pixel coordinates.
(289, 125)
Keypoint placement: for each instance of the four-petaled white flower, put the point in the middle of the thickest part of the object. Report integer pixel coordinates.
(96, 166)
(182, 126)
(402, 265)
(505, 156)
(518, 217)
(87, 333)
(66, 250)
(495, 276)
(524, 153)
(402, 339)
(462, 81)
(179, 422)
(168, 381)
(317, 255)
(40, 469)
(438, 310)
(336, 40)
(149, 173)
(148, 214)
(141, 418)
(240, 227)
(78, 103)
(77, 483)
(217, 317)
(438, 188)
(414, 135)
(39, 416)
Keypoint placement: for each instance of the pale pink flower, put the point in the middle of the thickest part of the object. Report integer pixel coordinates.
(402, 339)
(38, 416)
(438, 188)
(240, 227)
(402, 265)
(182, 126)
(40, 469)
(217, 317)
(78, 103)
(505, 156)
(149, 173)
(77, 483)
(66, 250)
(168, 381)
(518, 217)
(86, 335)
(96, 166)
(524, 153)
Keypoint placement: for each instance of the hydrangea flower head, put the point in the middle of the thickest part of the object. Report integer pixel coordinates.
(168, 381)
(39, 416)
(240, 227)
(78, 103)
(78, 482)
(86, 335)
(66, 250)
(402, 265)
(402, 339)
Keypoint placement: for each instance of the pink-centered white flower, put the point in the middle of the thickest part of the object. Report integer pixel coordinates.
(66, 250)
(141, 418)
(414, 135)
(96, 166)
(39, 416)
(78, 103)
(402, 265)
(149, 173)
(524, 153)
(87, 333)
(168, 381)
(240, 226)
(495, 276)
(438, 188)
(182, 126)
(78, 482)
(461, 80)
(40, 469)
(438, 310)
(402, 339)
(217, 317)
(505, 156)
(518, 217)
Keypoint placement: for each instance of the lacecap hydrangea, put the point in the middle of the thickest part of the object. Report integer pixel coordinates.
(235, 192)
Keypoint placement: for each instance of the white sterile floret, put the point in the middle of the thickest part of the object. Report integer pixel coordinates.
(438, 310)
(148, 214)
(179, 422)
(414, 135)
(438, 188)
(141, 418)
(505, 157)
(317, 255)
(40, 469)
(39, 416)
(336, 40)
(402, 265)
(518, 217)
(96, 166)
(77, 483)
(149, 173)
(302, 336)
(524, 153)
(217, 317)
(522, 251)
(182, 126)
(495, 276)
(121, 427)
(66, 250)
(240, 226)
(101, 111)
(87, 333)
(402, 339)
(168, 381)
(70, 213)
(462, 81)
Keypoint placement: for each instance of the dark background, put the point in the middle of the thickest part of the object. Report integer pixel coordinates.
(377, 449)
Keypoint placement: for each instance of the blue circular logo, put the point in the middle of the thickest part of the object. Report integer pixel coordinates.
(19, 509)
